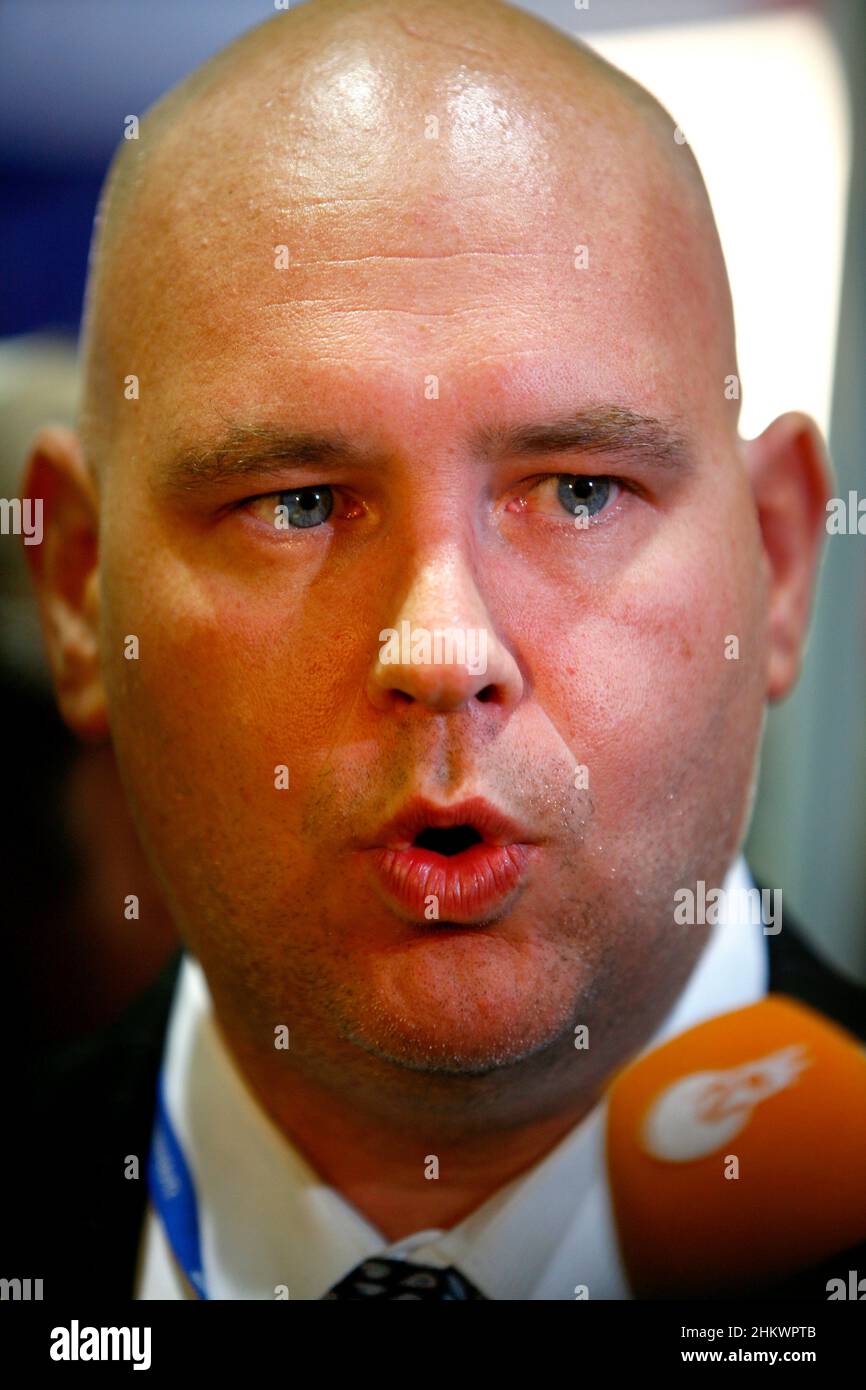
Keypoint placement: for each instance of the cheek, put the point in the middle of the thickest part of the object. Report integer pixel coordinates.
(200, 724)
(657, 687)
(226, 690)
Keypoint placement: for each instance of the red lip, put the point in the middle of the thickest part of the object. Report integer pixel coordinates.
(494, 827)
(462, 888)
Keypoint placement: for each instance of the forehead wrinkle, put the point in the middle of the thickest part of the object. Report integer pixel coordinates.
(467, 254)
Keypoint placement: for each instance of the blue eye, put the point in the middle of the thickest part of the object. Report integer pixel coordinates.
(575, 492)
(304, 506)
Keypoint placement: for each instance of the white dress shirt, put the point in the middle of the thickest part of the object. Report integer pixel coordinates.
(267, 1219)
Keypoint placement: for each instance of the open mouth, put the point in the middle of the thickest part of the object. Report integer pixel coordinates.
(456, 864)
(447, 840)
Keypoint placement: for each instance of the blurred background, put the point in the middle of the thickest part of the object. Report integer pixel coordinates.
(772, 99)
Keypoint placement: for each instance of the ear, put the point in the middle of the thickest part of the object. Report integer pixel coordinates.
(66, 575)
(790, 476)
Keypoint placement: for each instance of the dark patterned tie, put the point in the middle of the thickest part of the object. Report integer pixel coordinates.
(386, 1278)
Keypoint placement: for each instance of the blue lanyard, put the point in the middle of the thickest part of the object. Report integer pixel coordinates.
(173, 1194)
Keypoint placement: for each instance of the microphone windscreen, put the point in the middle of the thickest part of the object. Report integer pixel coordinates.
(737, 1151)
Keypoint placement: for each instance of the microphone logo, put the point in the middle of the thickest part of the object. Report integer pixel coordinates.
(699, 1113)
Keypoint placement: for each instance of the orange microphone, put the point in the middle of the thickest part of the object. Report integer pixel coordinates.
(737, 1151)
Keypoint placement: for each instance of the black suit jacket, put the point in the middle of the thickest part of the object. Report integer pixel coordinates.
(74, 1220)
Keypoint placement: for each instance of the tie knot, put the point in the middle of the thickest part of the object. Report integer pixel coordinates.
(386, 1278)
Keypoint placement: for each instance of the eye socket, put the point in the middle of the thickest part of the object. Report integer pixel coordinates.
(294, 509)
(581, 496)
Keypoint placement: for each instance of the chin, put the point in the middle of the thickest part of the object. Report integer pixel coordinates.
(438, 1059)
(463, 1041)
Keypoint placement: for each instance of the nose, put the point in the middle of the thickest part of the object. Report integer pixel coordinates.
(441, 650)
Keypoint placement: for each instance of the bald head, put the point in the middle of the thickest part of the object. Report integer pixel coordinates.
(362, 133)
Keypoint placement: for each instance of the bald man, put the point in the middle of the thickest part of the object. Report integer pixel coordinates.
(410, 558)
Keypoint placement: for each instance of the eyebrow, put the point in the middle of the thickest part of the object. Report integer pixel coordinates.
(609, 429)
(245, 450)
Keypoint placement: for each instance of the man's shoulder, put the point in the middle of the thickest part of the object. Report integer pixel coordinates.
(75, 1166)
(797, 969)
(112, 1065)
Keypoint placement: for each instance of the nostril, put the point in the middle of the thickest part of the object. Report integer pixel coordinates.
(447, 840)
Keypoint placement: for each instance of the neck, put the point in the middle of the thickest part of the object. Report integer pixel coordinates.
(411, 1168)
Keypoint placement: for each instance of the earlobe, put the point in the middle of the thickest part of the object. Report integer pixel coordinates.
(65, 572)
(790, 475)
